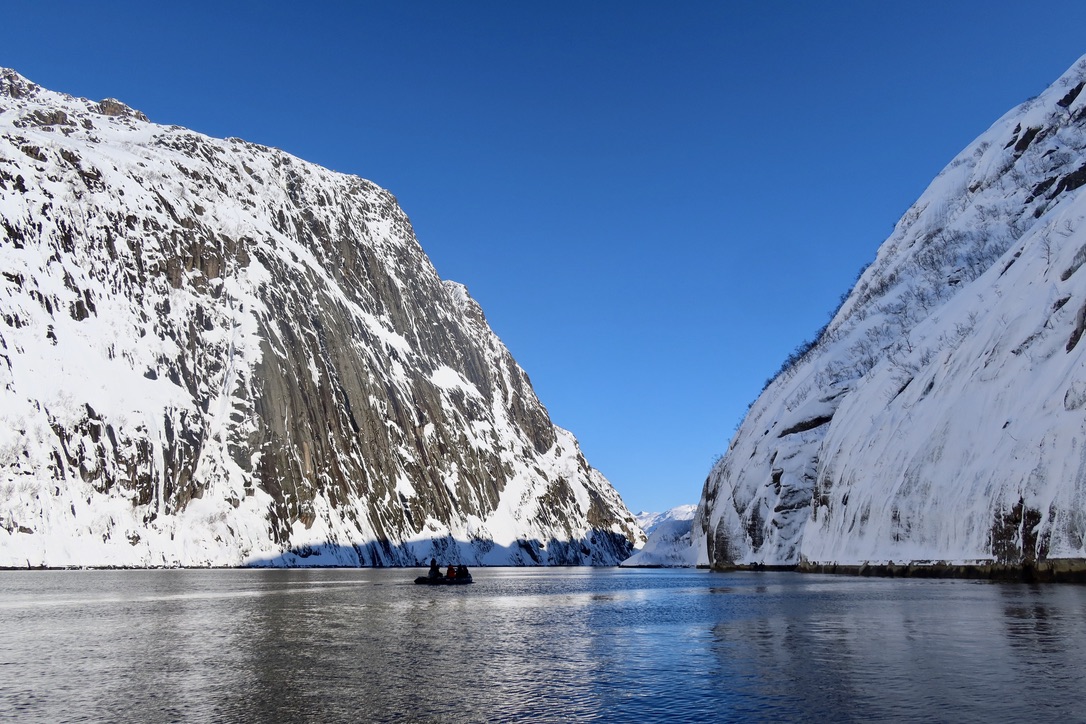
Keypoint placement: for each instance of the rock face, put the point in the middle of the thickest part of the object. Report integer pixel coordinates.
(213, 353)
(941, 415)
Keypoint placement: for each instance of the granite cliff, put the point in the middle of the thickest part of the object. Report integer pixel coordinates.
(214, 353)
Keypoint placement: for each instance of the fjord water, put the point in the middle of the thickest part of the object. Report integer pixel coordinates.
(534, 645)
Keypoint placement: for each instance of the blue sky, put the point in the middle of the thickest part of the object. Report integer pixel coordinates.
(653, 202)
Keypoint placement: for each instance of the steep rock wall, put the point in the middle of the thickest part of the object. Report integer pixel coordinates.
(939, 416)
(213, 353)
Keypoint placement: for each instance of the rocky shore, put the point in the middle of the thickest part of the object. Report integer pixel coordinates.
(1054, 570)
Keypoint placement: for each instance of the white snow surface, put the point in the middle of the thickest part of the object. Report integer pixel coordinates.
(670, 541)
(941, 416)
(650, 521)
(101, 287)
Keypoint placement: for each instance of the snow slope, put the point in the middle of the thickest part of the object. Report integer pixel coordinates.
(648, 522)
(214, 353)
(941, 415)
(670, 542)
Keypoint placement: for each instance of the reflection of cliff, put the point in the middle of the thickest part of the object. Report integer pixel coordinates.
(784, 668)
(881, 650)
(214, 352)
(939, 415)
(281, 631)
(536, 645)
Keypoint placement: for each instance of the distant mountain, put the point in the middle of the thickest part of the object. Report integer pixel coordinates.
(214, 353)
(670, 542)
(649, 521)
(941, 414)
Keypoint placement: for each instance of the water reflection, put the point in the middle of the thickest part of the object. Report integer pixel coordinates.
(906, 650)
(533, 645)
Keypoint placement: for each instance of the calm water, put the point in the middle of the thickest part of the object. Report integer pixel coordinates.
(534, 645)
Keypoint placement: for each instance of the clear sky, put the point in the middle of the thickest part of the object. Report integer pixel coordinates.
(654, 202)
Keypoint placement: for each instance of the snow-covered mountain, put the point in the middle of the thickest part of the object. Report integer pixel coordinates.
(670, 541)
(941, 414)
(648, 522)
(214, 353)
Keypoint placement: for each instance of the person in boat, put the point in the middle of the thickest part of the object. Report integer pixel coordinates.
(462, 572)
(451, 573)
(434, 572)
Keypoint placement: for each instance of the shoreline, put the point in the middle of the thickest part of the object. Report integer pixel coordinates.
(1053, 570)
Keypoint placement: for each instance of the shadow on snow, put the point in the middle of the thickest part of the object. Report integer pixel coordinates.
(599, 548)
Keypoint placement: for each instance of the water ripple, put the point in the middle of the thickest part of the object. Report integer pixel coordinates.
(533, 645)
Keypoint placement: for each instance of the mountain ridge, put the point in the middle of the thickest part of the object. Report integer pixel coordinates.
(217, 353)
(910, 429)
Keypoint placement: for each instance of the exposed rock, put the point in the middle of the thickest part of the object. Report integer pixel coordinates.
(113, 107)
(14, 85)
(214, 353)
(1056, 570)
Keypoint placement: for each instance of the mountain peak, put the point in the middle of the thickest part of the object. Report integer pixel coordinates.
(14, 85)
(932, 419)
(113, 107)
(218, 354)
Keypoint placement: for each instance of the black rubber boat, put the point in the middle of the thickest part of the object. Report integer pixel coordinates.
(442, 581)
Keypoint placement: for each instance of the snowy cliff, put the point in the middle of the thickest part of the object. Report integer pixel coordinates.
(941, 415)
(214, 353)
